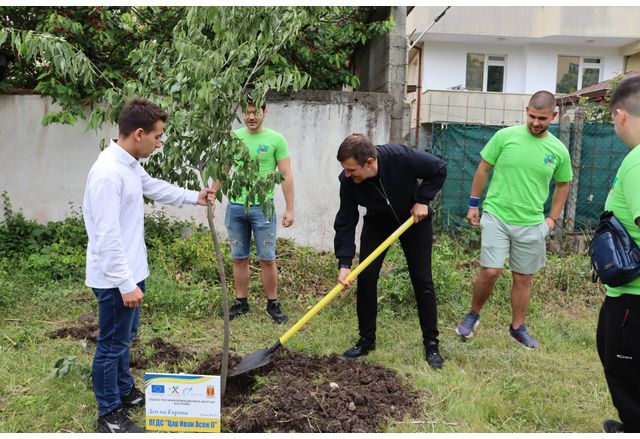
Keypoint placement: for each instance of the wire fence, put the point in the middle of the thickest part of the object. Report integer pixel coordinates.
(600, 154)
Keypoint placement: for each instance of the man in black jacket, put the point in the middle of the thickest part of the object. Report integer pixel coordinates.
(392, 182)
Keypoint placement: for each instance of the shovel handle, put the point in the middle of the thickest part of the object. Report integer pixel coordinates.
(339, 287)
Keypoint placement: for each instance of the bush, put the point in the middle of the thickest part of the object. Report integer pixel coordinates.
(58, 261)
(166, 294)
(195, 259)
(161, 230)
(20, 237)
(453, 270)
(6, 292)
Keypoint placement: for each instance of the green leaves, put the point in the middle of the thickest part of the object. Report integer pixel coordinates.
(325, 46)
(67, 61)
(203, 76)
(76, 54)
(65, 365)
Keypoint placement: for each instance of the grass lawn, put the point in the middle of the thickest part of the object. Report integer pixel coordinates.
(488, 384)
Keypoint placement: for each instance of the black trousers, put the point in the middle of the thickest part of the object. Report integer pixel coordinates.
(416, 244)
(618, 339)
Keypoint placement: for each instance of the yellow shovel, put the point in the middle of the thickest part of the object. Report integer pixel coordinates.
(263, 357)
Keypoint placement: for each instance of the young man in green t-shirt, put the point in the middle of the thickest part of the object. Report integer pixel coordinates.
(524, 158)
(271, 150)
(618, 334)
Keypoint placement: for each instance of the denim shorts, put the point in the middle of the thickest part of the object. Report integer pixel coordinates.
(524, 245)
(240, 223)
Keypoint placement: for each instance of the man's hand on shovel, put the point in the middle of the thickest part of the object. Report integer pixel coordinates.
(342, 277)
(419, 212)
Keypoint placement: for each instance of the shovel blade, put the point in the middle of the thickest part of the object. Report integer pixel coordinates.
(252, 361)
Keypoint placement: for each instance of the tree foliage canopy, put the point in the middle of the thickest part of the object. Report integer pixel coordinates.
(38, 47)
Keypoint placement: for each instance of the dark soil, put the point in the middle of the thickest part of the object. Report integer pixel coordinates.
(294, 393)
(164, 353)
(86, 332)
(303, 393)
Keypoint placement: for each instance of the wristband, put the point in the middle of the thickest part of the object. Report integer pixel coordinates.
(554, 220)
(474, 202)
(345, 266)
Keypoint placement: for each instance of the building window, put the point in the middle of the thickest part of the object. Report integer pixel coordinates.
(485, 72)
(576, 73)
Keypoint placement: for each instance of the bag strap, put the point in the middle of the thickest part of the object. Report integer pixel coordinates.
(594, 273)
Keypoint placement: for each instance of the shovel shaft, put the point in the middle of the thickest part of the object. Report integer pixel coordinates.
(339, 287)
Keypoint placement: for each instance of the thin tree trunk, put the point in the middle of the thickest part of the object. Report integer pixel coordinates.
(224, 363)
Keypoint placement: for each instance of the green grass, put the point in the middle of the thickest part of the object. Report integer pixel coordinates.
(488, 384)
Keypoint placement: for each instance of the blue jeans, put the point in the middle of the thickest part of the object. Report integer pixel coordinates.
(241, 223)
(118, 325)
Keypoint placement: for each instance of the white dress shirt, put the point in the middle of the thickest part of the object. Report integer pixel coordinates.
(113, 211)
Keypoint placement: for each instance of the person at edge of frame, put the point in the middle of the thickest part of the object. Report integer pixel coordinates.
(618, 333)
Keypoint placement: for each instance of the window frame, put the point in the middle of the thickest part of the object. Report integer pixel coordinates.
(485, 69)
(582, 65)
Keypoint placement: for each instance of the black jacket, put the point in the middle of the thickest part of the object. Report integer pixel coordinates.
(400, 170)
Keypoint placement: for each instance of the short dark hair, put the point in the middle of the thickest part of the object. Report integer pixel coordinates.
(627, 96)
(543, 100)
(251, 102)
(357, 146)
(139, 113)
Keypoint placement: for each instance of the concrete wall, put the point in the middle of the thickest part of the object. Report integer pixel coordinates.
(381, 67)
(472, 107)
(44, 169)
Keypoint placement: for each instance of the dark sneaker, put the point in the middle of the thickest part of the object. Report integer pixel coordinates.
(117, 422)
(611, 426)
(362, 347)
(135, 398)
(238, 309)
(522, 336)
(434, 359)
(468, 325)
(273, 309)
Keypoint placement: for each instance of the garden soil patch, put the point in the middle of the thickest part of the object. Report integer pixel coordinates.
(296, 392)
(85, 332)
(163, 352)
(304, 393)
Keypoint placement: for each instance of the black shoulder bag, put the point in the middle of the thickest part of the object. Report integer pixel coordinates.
(615, 257)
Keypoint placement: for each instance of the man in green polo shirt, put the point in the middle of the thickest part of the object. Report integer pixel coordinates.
(271, 150)
(618, 334)
(524, 159)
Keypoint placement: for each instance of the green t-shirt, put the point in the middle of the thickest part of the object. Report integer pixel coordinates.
(522, 169)
(624, 201)
(269, 146)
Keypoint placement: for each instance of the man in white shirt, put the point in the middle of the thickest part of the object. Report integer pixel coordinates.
(113, 211)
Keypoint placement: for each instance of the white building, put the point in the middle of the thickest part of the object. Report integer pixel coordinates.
(481, 64)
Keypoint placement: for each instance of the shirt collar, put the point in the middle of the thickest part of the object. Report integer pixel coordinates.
(121, 153)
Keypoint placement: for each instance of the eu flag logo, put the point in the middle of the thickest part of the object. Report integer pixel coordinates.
(157, 388)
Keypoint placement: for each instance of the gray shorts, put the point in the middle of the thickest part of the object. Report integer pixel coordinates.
(524, 245)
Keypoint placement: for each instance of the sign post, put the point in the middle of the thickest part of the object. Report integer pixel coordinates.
(181, 402)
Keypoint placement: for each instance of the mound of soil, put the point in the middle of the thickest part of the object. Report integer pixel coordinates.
(86, 332)
(164, 352)
(294, 393)
(303, 393)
